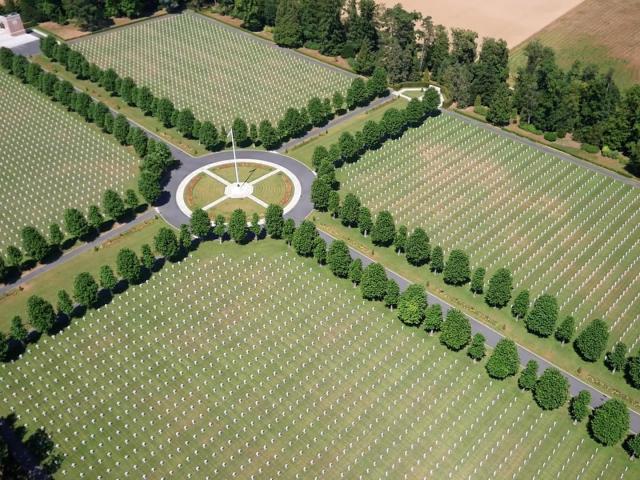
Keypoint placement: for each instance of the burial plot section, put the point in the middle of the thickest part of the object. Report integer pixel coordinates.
(218, 72)
(51, 160)
(264, 366)
(560, 228)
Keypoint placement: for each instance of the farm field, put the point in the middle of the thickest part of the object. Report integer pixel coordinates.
(510, 20)
(215, 70)
(197, 388)
(602, 33)
(51, 160)
(560, 228)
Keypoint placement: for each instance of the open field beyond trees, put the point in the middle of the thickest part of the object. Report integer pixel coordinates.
(511, 20)
(51, 160)
(258, 364)
(215, 70)
(560, 228)
(603, 33)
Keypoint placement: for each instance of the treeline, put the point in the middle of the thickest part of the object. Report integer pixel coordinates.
(294, 124)
(88, 14)
(542, 318)
(156, 160)
(608, 424)
(582, 101)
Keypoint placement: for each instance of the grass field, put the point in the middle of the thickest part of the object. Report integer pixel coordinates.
(558, 227)
(51, 160)
(251, 363)
(603, 33)
(207, 189)
(217, 71)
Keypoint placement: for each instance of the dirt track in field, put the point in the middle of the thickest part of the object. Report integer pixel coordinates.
(512, 20)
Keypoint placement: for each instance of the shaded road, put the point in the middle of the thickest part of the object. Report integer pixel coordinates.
(493, 337)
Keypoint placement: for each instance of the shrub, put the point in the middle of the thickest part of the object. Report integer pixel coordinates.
(550, 136)
(587, 147)
(579, 406)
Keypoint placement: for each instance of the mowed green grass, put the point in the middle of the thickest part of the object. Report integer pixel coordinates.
(213, 69)
(249, 362)
(560, 228)
(595, 32)
(51, 160)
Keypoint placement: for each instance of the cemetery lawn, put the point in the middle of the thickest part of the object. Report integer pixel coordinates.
(501, 320)
(52, 160)
(560, 228)
(47, 284)
(251, 362)
(215, 70)
(171, 135)
(304, 151)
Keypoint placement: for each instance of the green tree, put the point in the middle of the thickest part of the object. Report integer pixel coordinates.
(456, 330)
(579, 406)
(268, 135)
(56, 236)
(477, 280)
(121, 129)
(633, 371)
(85, 290)
(372, 135)
(617, 358)
(457, 271)
(365, 224)
(18, 331)
(520, 305)
(200, 223)
(543, 316)
(433, 318)
(377, 83)
(147, 257)
(4, 351)
(240, 132)
(551, 390)
(14, 257)
(128, 266)
(500, 287)
(355, 271)
(437, 259)
(274, 221)
(412, 305)
(393, 123)
(208, 136)
(94, 217)
(34, 244)
(349, 211)
(185, 122)
(320, 251)
(357, 94)
(166, 243)
(238, 226)
(288, 229)
(304, 239)
(320, 190)
(504, 361)
(320, 155)
(339, 259)
(334, 204)
(184, 238)
(220, 229)
(131, 199)
(338, 102)
(476, 350)
(383, 232)
(500, 107)
(149, 186)
(610, 422)
(374, 282)
(288, 30)
(108, 280)
(400, 240)
(113, 205)
(75, 223)
(64, 305)
(418, 248)
(41, 314)
(392, 294)
(529, 376)
(591, 343)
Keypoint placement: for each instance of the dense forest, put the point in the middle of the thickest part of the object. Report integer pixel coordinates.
(582, 101)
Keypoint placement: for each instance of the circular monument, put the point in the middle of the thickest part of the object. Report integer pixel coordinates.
(249, 184)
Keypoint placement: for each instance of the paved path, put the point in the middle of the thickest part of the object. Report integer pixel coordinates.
(69, 254)
(493, 337)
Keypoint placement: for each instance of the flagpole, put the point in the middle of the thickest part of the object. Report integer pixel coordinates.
(235, 160)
